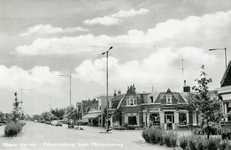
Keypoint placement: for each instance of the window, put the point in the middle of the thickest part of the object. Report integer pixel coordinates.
(194, 118)
(182, 119)
(151, 97)
(155, 118)
(131, 101)
(132, 120)
(168, 99)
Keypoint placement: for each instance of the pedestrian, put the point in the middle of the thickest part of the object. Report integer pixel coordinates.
(108, 125)
(168, 122)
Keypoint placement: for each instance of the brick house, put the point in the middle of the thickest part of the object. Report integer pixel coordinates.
(161, 109)
(127, 108)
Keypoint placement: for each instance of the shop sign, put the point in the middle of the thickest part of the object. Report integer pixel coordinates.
(131, 114)
(227, 123)
(169, 107)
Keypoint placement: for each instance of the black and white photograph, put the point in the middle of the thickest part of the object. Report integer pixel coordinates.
(115, 74)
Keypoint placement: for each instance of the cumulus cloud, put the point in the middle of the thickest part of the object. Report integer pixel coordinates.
(41, 81)
(116, 18)
(163, 66)
(15, 77)
(49, 29)
(184, 31)
(65, 45)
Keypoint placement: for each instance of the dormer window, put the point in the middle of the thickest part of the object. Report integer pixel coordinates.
(151, 97)
(131, 101)
(168, 99)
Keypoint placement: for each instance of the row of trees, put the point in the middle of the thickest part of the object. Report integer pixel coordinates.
(58, 114)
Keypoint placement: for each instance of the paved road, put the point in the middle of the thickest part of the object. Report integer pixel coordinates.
(36, 136)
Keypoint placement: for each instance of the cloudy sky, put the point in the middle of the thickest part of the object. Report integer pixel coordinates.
(41, 40)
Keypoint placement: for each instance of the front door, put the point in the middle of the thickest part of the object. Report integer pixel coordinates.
(169, 120)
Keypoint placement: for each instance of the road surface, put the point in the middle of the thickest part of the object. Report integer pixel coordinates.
(38, 136)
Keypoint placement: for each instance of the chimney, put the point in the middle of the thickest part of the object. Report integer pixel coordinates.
(114, 93)
(186, 88)
(134, 87)
(119, 92)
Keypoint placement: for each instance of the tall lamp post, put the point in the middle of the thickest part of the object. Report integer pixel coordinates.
(214, 49)
(70, 85)
(50, 100)
(22, 109)
(107, 127)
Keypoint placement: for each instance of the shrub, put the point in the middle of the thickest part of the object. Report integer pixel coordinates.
(159, 136)
(145, 136)
(211, 144)
(167, 140)
(224, 145)
(192, 143)
(155, 135)
(183, 142)
(199, 143)
(173, 138)
(12, 128)
(228, 146)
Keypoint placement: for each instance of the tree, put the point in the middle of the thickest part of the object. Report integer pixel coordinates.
(58, 113)
(47, 116)
(204, 102)
(15, 112)
(36, 117)
(72, 113)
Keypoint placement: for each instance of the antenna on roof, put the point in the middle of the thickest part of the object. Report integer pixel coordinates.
(182, 71)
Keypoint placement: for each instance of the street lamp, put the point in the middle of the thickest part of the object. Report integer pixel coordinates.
(21, 99)
(225, 53)
(70, 85)
(107, 84)
(50, 100)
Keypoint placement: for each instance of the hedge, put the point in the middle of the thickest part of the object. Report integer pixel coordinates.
(159, 136)
(170, 139)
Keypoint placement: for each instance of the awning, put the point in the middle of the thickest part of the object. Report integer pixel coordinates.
(91, 115)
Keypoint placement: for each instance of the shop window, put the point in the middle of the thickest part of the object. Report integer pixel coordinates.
(132, 120)
(182, 119)
(131, 101)
(155, 118)
(168, 99)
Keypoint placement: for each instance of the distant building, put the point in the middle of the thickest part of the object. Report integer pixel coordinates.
(94, 109)
(224, 92)
(83, 108)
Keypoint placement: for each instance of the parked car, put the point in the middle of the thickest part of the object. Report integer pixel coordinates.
(47, 122)
(56, 123)
(35, 121)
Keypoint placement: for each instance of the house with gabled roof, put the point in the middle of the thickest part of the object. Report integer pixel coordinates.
(224, 92)
(165, 109)
(127, 108)
(93, 110)
(160, 109)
